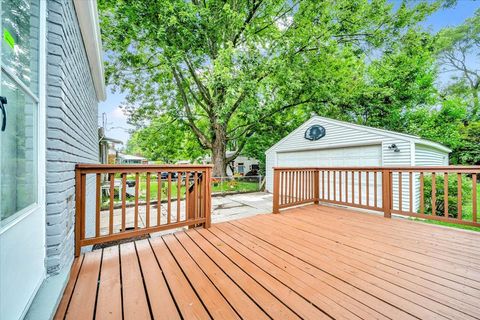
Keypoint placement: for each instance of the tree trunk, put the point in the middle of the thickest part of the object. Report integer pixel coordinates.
(219, 154)
(476, 105)
(218, 161)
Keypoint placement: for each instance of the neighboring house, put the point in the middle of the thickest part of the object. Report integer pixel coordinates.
(106, 147)
(323, 142)
(52, 78)
(130, 159)
(240, 166)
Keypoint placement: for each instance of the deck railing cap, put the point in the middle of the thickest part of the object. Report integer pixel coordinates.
(133, 166)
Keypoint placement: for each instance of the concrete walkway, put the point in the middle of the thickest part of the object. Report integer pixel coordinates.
(224, 208)
(231, 207)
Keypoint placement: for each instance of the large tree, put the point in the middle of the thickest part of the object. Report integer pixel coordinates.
(459, 52)
(226, 68)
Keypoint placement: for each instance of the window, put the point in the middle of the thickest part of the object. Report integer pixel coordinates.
(19, 84)
(241, 168)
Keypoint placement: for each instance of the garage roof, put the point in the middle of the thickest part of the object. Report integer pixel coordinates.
(383, 132)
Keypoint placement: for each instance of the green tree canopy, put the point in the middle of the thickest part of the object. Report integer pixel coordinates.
(459, 52)
(230, 70)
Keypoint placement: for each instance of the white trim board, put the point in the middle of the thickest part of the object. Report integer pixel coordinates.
(87, 16)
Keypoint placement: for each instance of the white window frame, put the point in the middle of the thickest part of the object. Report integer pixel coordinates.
(40, 99)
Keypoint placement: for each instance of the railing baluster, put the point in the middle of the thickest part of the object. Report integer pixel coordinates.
(291, 193)
(346, 186)
(360, 187)
(353, 187)
(400, 191)
(305, 186)
(334, 185)
(159, 198)
(474, 197)
(179, 196)
(147, 208)
(375, 190)
(434, 194)
(410, 191)
(98, 193)
(281, 194)
(137, 186)
(422, 197)
(459, 195)
(195, 196)
(112, 199)
(328, 184)
(340, 185)
(169, 198)
(124, 200)
(445, 195)
(367, 188)
(323, 184)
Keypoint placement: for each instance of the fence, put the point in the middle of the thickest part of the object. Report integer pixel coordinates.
(436, 193)
(181, 193)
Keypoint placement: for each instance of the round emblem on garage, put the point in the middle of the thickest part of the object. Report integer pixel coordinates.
(315, 132)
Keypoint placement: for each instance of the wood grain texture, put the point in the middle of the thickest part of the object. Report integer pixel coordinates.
(310, 262)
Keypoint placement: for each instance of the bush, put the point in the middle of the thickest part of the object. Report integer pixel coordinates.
(452, 194)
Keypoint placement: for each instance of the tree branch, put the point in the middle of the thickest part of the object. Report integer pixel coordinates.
(203, 90)
(191, 121)
(249, 18)
(247, 126)
(237, 152)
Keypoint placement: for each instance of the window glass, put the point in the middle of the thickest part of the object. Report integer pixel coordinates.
(241, 168)
(19, 85)
(18, 151)
(20, 40)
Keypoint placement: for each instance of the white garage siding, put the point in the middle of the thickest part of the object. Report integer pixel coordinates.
(428, 156)
(347, 144)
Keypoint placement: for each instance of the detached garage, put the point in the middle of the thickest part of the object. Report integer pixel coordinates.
(323, 142)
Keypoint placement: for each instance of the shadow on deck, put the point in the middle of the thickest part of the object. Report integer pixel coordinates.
(310, 262)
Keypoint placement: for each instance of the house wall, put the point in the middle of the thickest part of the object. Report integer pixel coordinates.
(428, 156)
(247, 163)
(71, 129)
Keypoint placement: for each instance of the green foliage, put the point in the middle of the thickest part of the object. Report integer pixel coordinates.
(458, 49)
(452, 194)
(232, 70)
(165, 140)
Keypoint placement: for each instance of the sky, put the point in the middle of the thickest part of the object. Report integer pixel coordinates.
(116, 123)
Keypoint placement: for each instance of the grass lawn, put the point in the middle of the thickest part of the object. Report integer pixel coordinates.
(467, 215)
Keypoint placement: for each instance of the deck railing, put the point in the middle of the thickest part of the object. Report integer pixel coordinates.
(115, 202)
(447, 193)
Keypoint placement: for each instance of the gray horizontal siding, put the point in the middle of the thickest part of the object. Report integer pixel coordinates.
(71, 127)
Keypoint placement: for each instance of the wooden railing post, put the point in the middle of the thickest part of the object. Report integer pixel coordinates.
(276, 190)
(208, 197)
(387, 191)
(78, 210)
(316, 186)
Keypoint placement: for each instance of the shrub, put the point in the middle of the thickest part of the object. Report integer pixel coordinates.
(452, 194)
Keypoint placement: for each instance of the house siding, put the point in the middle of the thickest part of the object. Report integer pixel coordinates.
(71, 129)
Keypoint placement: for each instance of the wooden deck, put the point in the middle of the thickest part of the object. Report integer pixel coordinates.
(313, 262)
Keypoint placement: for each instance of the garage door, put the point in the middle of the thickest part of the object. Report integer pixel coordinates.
(339, 157)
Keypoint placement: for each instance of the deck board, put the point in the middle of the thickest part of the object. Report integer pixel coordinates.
(109, 300)
(310, 262)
